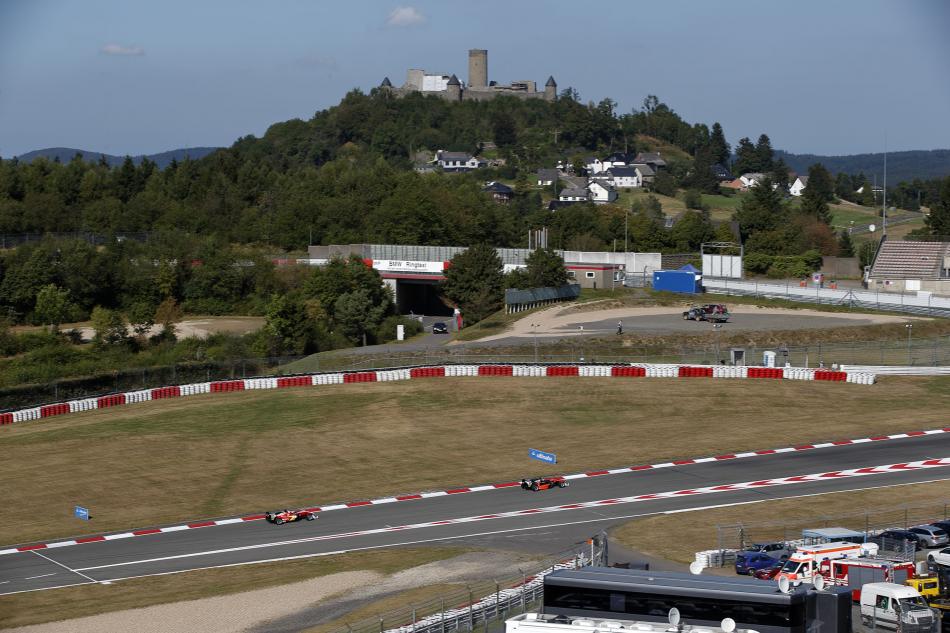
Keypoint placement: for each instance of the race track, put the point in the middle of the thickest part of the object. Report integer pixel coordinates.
(552, 519)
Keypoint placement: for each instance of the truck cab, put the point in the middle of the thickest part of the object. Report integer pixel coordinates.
(889, 606)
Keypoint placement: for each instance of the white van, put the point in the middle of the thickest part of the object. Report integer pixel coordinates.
(883, 604)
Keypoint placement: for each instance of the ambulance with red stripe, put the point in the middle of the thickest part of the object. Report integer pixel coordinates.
(809, 560)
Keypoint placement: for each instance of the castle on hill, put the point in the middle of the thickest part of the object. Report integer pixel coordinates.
(478, 87)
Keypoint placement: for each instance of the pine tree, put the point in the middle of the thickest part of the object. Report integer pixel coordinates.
(845, 245)
(718, 146)
(702, 176)
(746, 159)
(763, 154)
(938, 222)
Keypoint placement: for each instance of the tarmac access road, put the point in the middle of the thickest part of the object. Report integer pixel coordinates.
(553, 522)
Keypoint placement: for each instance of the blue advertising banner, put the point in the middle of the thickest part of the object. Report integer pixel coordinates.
(541, 456)
(81, 513)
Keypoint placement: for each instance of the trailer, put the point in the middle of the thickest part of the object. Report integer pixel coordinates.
(854, 573)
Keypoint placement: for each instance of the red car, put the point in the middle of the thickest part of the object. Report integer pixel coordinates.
(543, 483)
(768, 573)
(280, 517)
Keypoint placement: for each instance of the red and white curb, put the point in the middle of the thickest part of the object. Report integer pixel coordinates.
(635, 370)
(468, 489)
(672, 494)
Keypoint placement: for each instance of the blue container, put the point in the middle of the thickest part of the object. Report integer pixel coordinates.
(676, 281)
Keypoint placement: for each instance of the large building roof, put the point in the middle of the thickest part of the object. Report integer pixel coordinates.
(901, 259)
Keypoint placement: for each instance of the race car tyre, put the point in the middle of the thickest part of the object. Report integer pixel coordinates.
(534, 487)
(561, 484)
(279, 521)
(310, 517)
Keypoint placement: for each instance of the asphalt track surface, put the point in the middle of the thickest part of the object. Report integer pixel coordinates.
(544, 531)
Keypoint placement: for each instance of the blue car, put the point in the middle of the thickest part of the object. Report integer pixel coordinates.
(748, 563)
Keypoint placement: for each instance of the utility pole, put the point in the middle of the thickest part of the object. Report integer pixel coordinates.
(884, 209)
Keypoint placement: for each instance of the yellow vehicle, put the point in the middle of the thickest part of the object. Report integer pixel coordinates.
(935, 591)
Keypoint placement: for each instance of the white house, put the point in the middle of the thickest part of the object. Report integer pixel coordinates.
(624, 177)
(574, 194)
(458, 161)
(601, 192)
(797, 188)
(594, 165)
(645, 173)
(547, 177)
(751, 179)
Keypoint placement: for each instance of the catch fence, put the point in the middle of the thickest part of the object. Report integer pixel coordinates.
(740, 536)
(923, 304)
(481, 603)
(919, 352)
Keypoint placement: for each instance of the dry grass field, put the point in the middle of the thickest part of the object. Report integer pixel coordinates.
(774, 520)
(224, 454)
(76, 602)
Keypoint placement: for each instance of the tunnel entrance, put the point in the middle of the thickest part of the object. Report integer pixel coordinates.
(420, 297)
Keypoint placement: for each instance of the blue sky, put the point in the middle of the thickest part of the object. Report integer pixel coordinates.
(127, 77)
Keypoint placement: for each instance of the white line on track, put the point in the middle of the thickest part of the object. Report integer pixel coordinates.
(754, 485)
(75, 571)
(464, 536)
(40, 576)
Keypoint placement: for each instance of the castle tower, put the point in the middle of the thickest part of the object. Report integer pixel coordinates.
(453, 90)
(478, 69)
(386, 84)
(550, 89)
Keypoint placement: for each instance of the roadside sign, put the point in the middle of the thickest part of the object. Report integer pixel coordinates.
(541, 456)
(81, 513)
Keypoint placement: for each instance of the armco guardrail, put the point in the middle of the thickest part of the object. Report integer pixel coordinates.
(894, 302)
(632, 370)
(898, 370)
(481, 603)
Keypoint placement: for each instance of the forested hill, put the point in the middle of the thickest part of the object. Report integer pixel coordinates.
(901, 166)
(161, 159)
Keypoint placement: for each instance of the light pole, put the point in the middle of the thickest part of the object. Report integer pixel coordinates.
(534, 331)
(716, 328)
(910, 328)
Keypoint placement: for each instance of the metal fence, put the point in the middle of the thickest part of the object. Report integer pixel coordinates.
(481, 603)
(740, 536)
(921, 352)
(134, 379)
(10, 240)
(929, 352)
(925, 304)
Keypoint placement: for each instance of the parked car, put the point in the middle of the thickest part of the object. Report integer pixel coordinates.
(440, 328)
(777, 550)
(769, 573)
(713, 312)
(941, 557)
(931, 535)
(897, 535)
(747, 563)
(943, 525)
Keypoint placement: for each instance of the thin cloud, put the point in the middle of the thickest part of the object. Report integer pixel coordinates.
(122, 51)
(319, 62)
(405, 16)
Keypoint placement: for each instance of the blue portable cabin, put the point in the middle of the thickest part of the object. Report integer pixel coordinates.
(686, 280)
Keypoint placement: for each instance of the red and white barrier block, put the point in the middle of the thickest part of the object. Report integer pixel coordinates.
(636, 370)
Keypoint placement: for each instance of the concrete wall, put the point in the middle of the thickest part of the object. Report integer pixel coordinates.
(841, 268)
(939, 287)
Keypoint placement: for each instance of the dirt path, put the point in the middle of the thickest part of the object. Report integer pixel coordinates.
(558, 321)
(292, 607)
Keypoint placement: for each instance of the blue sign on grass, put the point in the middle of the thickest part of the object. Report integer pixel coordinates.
(81, 513)
(541, 456)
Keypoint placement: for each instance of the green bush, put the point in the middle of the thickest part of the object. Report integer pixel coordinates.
(387, 329)
(757, 263)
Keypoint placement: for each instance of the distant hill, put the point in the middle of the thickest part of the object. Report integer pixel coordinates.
(162, 159)
(900, 165)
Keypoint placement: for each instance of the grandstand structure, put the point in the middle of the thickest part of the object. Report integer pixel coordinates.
(910, 266)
